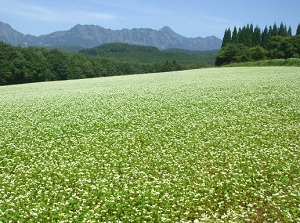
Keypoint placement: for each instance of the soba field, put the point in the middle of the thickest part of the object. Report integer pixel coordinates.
(208, 145)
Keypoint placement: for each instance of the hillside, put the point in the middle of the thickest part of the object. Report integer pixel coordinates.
(87, 36)
(207, 145)
(150, 55)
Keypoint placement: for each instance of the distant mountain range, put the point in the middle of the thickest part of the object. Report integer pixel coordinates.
(87, 36)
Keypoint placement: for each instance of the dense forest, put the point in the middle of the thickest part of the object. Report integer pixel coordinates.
(33, 64)
(186, 59)
(254, 44)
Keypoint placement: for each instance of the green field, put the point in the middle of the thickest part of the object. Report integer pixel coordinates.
(216, 145)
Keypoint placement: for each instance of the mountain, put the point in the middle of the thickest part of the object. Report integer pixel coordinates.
(87, 36)
(9, 35)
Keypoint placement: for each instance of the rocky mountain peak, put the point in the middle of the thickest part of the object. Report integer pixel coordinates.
(87, 36)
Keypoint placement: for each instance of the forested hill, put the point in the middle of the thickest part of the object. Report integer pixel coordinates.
(129, 53)
(118, 47)
(34, 64)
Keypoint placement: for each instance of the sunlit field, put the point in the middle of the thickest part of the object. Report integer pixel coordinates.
(208, 145)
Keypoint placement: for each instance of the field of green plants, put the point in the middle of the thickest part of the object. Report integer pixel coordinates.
(208, 145)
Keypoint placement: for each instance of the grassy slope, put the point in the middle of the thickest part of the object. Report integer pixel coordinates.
(217, 144)
(275, 62)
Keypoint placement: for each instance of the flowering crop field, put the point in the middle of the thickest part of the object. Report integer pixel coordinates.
(208, 145)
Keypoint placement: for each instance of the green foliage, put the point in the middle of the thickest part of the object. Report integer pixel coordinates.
(208, 145)
(284, 47)
(265, 36)
(235, 36)
(21, 65)
(231, 53)
(256, 53)
(148, 55)
(272, 43)
(282, 31)
(275, 62)
(227, 37)
(257, 37)
(118, 47)
(298, 30)
(70, 49)
(235, 53)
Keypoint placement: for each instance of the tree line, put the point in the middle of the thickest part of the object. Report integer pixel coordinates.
(250, 43)
(34, 64)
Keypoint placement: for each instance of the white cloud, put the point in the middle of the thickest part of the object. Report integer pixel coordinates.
(33, 11)
(26, 10)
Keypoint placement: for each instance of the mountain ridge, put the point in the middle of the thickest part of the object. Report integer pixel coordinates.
(87, 36)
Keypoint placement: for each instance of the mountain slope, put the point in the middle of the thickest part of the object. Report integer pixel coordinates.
(87, 36)
(9, 35)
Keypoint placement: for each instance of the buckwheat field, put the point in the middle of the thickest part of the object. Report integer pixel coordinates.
(208, 145)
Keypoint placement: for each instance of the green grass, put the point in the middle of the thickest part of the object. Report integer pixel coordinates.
(217, 145)
(295, 62)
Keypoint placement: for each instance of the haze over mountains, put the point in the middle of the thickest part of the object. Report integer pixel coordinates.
(87, 36)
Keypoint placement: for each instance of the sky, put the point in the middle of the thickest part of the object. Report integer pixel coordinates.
(190, 18)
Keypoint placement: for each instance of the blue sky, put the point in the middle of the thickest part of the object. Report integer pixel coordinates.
(191, 18)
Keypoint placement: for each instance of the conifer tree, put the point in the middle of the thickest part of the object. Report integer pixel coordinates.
(256, 40)
(290, 31)
(227, 37)
(235, 38)
(298, 30)
(251, 28)
(265, 37)
(282, 31)
(274, 30)
(243, 35)
(249, 34)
